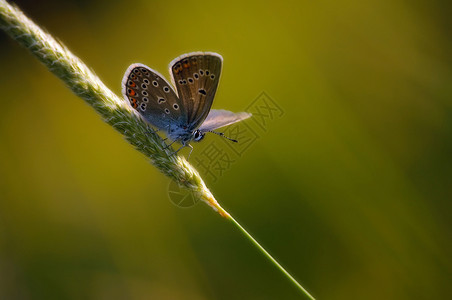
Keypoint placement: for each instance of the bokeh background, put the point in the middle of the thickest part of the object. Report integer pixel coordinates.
(350, 188)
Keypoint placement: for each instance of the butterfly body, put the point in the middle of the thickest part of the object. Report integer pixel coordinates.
(184, 113)
(183, 134)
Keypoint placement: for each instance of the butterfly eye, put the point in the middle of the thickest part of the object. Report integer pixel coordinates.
(198, 135)
(155, 83)
(196, 75)
(190, 80)
(201, 72)
(144, 93)
(207, 72)
(176, 107)
(166, 89)
(212, 76)
(146, 81)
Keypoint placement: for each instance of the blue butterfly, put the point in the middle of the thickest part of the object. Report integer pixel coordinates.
(185, 113)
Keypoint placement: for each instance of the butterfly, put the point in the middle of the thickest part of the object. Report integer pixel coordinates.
(183, 109)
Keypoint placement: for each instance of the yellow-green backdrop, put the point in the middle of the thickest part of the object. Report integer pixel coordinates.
(349, 185)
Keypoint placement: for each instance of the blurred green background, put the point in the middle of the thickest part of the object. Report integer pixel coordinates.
(350, 189)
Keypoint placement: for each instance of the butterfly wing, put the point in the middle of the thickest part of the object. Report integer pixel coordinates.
(219, 118)
(152, 96)
(195, 76)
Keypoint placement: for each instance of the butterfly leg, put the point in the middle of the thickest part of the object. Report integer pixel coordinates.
(152, 131)
(167, 146)
(191, 150)
(175, 152)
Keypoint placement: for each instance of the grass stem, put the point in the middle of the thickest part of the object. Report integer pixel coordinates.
(113, 109)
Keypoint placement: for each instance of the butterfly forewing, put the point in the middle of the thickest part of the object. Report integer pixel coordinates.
(196, 76)
(152, 96)
(218, 118)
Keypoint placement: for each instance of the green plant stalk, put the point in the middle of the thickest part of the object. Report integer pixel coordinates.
(268, 255)
(114, 110)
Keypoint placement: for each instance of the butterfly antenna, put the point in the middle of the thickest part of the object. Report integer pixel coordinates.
(222, 134)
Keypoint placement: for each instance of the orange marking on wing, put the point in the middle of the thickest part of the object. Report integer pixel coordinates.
(132, 93)
(133, 102)
(177, 68)
(132, 84)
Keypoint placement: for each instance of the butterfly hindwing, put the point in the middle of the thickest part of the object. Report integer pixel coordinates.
(196, 76)
(152, 96)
